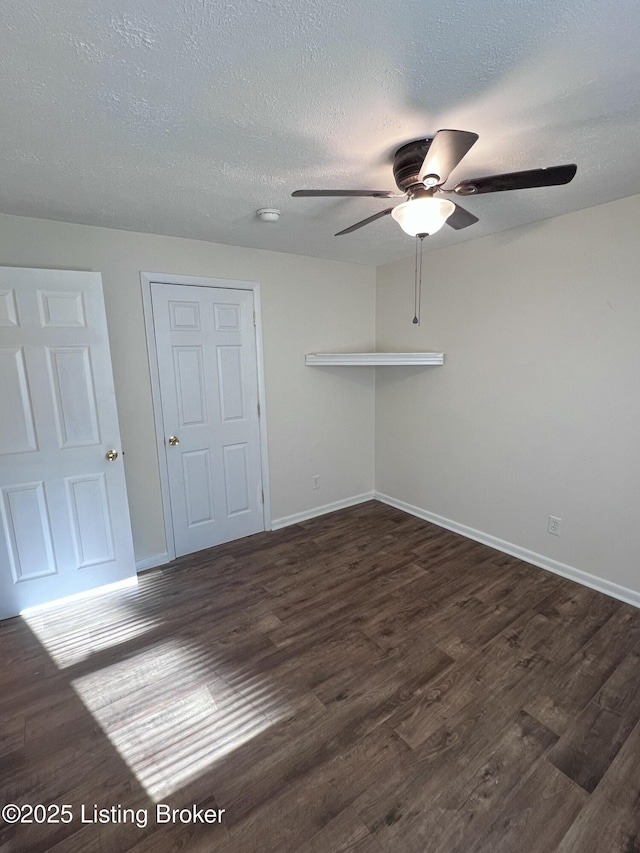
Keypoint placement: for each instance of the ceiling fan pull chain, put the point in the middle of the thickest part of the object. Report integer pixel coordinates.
(415, 288)
(421, 236)
(417, 297)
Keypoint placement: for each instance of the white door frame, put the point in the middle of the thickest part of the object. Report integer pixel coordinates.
(146, 280)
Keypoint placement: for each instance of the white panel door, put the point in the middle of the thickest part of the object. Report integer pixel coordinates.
(64, 517)
(207, 363)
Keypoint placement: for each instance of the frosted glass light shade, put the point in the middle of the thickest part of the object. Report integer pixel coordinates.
(423, 215)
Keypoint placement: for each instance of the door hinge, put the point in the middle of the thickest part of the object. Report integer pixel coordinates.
(262, 494)
(254, 318)
(258, 409)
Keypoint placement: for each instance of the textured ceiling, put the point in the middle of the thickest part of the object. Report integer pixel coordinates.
(185, 117)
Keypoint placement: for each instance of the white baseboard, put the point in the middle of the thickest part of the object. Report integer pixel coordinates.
(81, 596)
(152, 562)
(277, 523)
(629, 596)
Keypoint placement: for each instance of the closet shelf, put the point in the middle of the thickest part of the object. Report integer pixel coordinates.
(361, 359)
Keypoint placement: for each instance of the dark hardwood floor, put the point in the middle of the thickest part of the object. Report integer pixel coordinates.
(358, 683)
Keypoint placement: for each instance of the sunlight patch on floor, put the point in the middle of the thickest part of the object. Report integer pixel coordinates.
(169, 716)
(71, 637)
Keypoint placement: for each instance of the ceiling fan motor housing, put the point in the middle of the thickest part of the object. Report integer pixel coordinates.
(407, 162)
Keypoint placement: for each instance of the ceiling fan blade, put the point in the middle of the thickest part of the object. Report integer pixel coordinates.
(347, 193)
(366, 221)
(461, 218)
(447, 149)
(553, 176)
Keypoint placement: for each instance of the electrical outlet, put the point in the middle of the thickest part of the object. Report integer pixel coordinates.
(554, 525)
(315, 481)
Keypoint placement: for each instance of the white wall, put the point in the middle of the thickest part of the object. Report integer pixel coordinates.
(536, 411)
(319, 421)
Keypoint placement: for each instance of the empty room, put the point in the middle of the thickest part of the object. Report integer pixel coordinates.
(319, 458)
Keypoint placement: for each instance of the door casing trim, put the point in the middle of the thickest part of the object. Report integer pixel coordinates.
(146, 280)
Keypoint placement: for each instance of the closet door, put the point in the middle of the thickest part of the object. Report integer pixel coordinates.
(64, 517)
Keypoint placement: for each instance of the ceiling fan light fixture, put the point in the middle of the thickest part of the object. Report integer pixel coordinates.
(423, 215)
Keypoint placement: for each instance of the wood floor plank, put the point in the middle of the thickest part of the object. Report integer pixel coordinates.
(595, 737)
(610, 819)
(562, 698)
(462, 744)
(447, 816)
(489, 673)
(344, 834)
(305, 805)
(535, 816)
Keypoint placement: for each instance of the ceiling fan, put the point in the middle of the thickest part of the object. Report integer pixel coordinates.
(420, 170)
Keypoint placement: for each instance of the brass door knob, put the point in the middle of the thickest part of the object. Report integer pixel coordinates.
(173, 440)
(111, 455)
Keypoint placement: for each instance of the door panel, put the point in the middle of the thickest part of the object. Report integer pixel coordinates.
(17, 428)
(64, 515)
(88, 504)
(73, 396)
(63, 309)
(207, 363)
(184, 316)
(27, 528)
(196, 467)
(236, 478)
(226, 316)
(190, 388)
(231, 383)
(8, 308)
